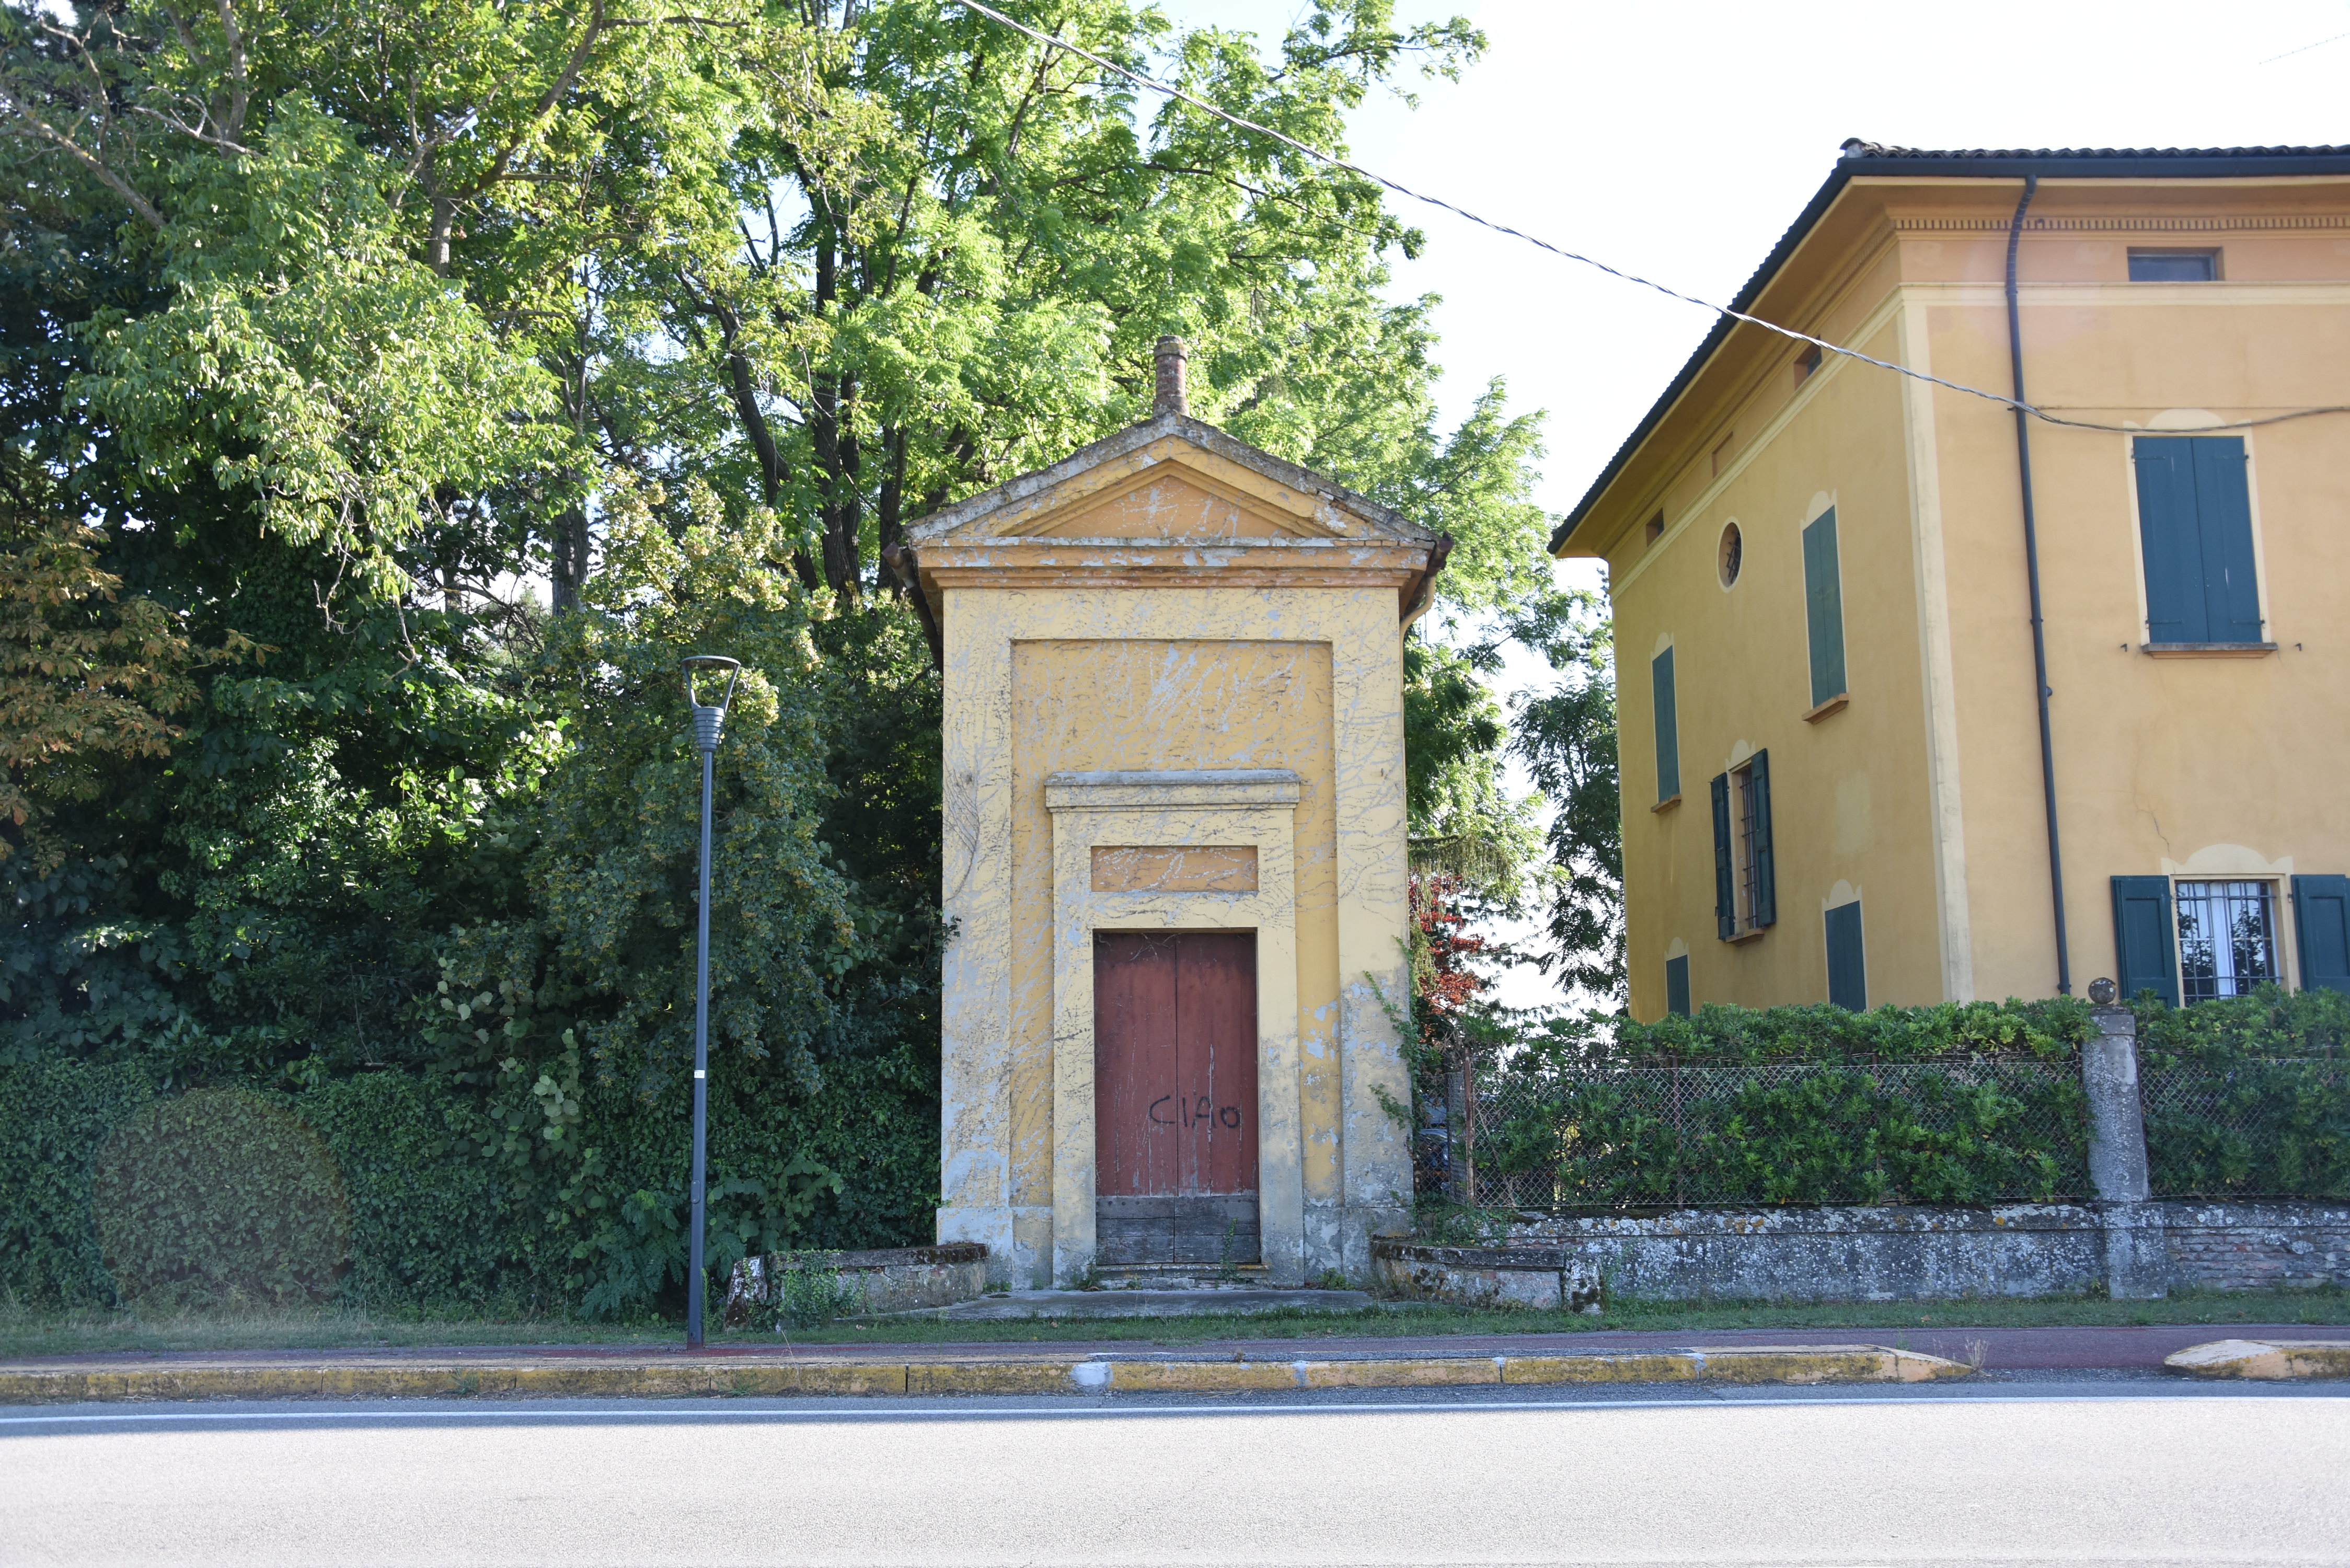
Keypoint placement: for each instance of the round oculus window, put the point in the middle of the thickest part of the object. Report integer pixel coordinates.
(1732, 554)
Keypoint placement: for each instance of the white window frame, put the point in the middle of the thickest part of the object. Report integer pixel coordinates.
(2280, 900)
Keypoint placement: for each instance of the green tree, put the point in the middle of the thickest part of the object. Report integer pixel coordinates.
(87, 678)
(1567, 735)
(324, 329)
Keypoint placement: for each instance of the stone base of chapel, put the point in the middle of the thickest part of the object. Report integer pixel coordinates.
(1019, 1240)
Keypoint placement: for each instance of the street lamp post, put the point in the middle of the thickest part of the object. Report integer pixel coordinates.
(708, 720)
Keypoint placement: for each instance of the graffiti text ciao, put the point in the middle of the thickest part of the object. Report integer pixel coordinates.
(1190, 1112)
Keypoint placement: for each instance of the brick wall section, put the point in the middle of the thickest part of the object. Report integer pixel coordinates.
(2257, 1246)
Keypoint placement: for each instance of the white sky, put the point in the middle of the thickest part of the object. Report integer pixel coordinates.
(1679, 141)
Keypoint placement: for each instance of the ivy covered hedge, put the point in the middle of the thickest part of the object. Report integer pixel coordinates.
(434, 1226)
(219, 1198)
(53, 1120)
(453, 1200)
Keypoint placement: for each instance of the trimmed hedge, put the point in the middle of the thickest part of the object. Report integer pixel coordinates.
(2048, 1031)
(1955, 1103)
(2248, 1096)
(2271, 1022)
(1615, 1136)
(423, 1231)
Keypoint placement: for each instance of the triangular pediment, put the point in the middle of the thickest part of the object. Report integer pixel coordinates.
(1172, 479)
(1175, 501)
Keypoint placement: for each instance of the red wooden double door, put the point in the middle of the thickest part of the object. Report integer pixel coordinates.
(1175, 1118)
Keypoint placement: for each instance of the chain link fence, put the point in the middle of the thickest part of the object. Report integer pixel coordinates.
(2253, 1127)
(1606, 1137)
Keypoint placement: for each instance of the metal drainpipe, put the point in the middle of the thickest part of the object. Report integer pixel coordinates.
(2032, 568)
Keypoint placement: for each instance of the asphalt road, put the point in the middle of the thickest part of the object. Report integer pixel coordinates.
(2072, 1473)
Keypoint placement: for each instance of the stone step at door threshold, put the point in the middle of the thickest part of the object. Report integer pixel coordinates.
(1184, 1277)
(1218, 1301)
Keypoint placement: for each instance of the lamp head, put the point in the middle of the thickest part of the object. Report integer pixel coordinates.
(700, 670)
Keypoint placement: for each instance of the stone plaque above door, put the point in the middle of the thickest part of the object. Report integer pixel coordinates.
(1174, 869)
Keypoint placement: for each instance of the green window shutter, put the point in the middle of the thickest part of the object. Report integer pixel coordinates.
(1725, 879)
(1669, 739)
(2144, 944)
(2170, 537)
(2320, 928)
(1766, 880)
(1677, 997)
(1824, 608)
(1847, 967)
(2195, 529)
(2224, 499)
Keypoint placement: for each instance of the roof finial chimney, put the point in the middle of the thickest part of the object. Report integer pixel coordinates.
(1168, 361)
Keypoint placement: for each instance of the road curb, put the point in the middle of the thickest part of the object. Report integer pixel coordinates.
(675, 1377)
(2264, 1359)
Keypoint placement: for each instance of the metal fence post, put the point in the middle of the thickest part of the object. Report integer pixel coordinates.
(2137, 1256)
(1680, 1140)
(1468, 1126)
(1455, 1126)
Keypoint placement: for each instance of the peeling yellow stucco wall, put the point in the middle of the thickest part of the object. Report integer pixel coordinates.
(1851, 790)
(1166, 606)
(1925, 793)
(1081, 706)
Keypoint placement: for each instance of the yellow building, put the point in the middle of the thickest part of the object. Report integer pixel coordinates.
(1174, 856)
(1838, 780)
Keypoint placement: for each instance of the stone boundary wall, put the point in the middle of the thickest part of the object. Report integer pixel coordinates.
(894, 1279)
(1888, 1253)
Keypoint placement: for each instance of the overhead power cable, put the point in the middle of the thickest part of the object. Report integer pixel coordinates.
(2304, 48)
(1169, 89)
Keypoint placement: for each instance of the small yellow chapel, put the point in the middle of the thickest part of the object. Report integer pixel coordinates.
(1174, 858)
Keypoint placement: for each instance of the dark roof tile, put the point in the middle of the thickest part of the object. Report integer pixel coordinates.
(1855, 148)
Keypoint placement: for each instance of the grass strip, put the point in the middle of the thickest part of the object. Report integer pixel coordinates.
(29, 1334)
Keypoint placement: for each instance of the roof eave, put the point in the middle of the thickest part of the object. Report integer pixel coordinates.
(1813, 211)
(1135, 437)
(2218, 164)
